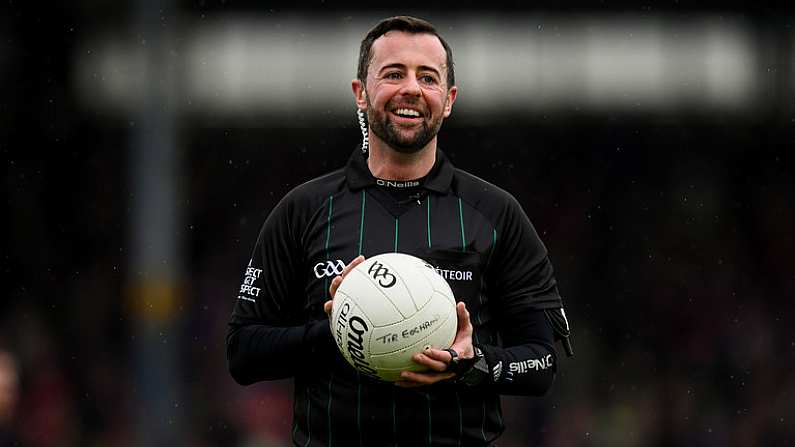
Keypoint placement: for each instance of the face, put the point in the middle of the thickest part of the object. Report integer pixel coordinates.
(406, 96)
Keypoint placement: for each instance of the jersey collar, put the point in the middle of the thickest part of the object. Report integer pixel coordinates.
(438, 179)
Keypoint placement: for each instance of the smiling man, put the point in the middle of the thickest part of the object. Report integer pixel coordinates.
(406, 92)
(399, 193)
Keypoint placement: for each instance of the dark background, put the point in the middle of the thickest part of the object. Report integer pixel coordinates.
(671, 233)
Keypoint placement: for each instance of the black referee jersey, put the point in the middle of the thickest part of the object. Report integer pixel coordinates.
(478, 238)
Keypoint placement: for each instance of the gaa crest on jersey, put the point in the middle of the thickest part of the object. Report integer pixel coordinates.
(330, 268)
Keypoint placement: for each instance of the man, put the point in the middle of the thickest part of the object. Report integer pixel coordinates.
(399, 193)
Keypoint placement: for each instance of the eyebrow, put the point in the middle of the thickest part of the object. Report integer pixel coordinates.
(402, 66)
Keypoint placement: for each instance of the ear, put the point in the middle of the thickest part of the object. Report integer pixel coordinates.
(359, 94)
(452, 94)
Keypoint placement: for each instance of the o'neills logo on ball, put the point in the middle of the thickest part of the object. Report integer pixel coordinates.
(356, 331)
(342, 323)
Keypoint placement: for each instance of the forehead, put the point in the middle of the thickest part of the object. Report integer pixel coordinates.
(399, 47)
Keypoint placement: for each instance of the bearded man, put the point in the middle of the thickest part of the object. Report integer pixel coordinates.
(399, 193)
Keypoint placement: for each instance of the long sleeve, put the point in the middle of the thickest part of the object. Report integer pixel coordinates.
(257, 352)
(266, 339)
(527, 362)
(523, 288)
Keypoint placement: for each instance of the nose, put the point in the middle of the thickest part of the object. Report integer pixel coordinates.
(410, 86)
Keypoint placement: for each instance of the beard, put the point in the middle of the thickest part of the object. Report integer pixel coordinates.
(394, 136)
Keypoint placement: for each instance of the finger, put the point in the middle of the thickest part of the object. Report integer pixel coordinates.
(425, 378)
(464, 325)
(327, 307)
(335, 284)
(356, 261)
(430, 362)
(463, 315)
(439, 355)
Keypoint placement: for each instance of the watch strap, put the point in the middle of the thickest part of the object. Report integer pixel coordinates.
(459, 365)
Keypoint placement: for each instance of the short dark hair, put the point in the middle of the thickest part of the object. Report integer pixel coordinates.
(407, 24)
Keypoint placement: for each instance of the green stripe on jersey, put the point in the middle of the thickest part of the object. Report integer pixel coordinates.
(359, 407)
(429, 221)
(461, 219)
(493, 246)
(483, 425)
(394, 417)
(328, 222)
(328, 237)
(331, 379)
(396, 234)
(361, 224)
(499, 414)
(460, 417)
(308, 415)
(328, 410)
(428, 396)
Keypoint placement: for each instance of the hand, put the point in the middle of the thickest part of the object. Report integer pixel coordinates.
(438, 360)
(335, 283)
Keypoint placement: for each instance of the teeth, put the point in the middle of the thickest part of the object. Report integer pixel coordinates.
(407, 112)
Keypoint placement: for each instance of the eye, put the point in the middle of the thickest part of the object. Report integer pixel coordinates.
(428, 79)
(393, 75)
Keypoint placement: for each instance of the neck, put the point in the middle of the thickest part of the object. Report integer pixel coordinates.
(388, 164)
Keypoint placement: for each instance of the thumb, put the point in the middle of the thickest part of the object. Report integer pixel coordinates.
(464, 325)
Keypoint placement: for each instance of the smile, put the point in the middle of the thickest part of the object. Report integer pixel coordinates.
(407, 113)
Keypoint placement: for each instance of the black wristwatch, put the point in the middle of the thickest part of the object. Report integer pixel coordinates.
(472, 371)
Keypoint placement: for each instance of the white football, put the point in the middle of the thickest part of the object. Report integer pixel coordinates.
(388, 308)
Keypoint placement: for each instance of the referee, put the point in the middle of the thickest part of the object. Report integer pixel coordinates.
(399, 193)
